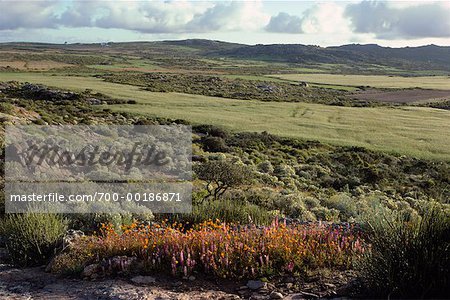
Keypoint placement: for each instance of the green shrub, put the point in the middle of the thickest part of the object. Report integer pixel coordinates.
(228, 210)
(31, 239)
(6, 108)
(409, 258)
(347, 207)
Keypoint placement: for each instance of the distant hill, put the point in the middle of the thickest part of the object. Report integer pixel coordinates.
(429, 57)
(203, 44)
(424, 57)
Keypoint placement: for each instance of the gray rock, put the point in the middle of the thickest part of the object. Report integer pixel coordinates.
(90, 270)
(296, 296)
(177, 284)
(309, 295)
(143, 279)
(256, 284)
(71, 236)
(276, 295)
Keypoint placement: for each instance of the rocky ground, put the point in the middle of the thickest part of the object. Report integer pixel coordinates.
(35, 283)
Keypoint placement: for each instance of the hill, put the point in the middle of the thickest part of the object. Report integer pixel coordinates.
(417, 58)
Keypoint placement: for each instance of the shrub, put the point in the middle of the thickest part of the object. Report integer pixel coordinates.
(31, 239)
(214, 144)
(409, 259)
(265, 167)
(228, 210)
(346, 206)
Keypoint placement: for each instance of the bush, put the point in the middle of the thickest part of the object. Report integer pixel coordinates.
(214, 144)
(409, 259)
(31, 239)
(228, 210)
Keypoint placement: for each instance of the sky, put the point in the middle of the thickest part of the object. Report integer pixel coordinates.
(323, 23)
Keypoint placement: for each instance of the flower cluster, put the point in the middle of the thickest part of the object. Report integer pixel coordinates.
(226, 250)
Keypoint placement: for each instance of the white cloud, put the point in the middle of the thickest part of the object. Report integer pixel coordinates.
(27, 14)
(231, 16)
(400, 21)
(178, 16)
(285, 23)
(325, 18)
(321, 18)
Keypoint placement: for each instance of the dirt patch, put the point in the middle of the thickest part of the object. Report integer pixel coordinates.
(42, 65)
(402, 96)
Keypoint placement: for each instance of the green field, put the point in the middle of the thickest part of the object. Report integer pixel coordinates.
(427, 82)
(417, 131)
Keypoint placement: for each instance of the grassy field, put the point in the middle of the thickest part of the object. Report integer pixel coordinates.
(421, 132)
(428, 82)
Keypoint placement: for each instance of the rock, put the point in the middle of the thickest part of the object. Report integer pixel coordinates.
(143, 279)
(297, 296)
(304, 84)
(309, 295)
(348, 288)
(329, 285)
(90, 270)
(177, 284)
(257, 297)
(289, 279)
(71, 236)
(191, 278)
(256, 284)
(276, 295)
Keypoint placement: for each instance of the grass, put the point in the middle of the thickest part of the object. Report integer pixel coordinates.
(415, 131)
(380, 81)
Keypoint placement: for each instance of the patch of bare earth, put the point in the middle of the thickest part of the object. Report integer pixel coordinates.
(41, 65)
(35, 283)
(402, 96)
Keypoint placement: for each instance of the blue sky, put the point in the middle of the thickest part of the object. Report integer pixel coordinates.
(388, 23)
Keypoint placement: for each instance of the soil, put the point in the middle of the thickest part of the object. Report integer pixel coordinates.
(402, 96)
(35, 283)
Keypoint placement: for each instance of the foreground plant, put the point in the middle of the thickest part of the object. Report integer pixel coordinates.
(219, 249)
(32, 239)
(409, 258)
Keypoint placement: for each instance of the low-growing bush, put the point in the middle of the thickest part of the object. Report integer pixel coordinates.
(31, 239)
(228, 210)
(408, 258)
(219, 249)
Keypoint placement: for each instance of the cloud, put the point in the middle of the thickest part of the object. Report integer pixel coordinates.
(387, 21)
(178, 16)
(285, 23)
(27, 14)
(234, 15)
(320, 18)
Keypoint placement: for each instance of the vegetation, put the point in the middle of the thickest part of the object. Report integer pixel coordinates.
(409, 257)
(32, 239)
(301, 177)
(237, 88)
(413, 131)
(223, 250)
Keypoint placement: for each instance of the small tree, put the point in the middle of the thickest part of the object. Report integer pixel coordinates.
(221, 175)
